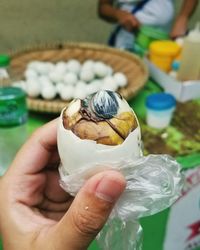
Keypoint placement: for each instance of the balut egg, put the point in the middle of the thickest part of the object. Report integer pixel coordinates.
(74, 66)
(100, 129)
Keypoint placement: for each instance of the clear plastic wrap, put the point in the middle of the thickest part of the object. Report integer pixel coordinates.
(153, 184)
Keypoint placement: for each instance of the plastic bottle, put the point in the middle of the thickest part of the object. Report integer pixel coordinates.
(13, 130)
(190, 60)
(4, 64)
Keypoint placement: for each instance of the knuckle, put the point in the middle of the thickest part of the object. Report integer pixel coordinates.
(88, 223)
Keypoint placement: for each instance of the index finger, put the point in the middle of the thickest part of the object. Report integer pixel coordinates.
(36, 152)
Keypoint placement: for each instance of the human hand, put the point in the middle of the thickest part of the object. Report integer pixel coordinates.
(35, 213)
(179, 28)
(127, 20)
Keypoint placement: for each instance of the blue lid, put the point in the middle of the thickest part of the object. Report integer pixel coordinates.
(160, 101)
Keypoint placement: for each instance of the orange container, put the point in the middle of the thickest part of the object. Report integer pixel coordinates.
(162, 54)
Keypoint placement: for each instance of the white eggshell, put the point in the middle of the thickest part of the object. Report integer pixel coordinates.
(120, 79)
(70, 78)
(33, 64)
(59, 87)
(48, 92)
(109, 84)
(88, 64)
(110, 70)
(61, 67)
(33, 88)
(42, 68)
(100, 69)
(67, 92)
(30, 73)
(80, 91)
(55, 76)
(50, 67)
(45, 81)
(94, 86)
(74, 66)
(86, 75)
(76, 153)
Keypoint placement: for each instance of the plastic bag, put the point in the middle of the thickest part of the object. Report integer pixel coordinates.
(153, 184)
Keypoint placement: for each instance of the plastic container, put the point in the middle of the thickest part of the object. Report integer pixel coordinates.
(190, 59)
(4, 65)
(162, 54)
(148, 34)
(160, 108)
(13, 117)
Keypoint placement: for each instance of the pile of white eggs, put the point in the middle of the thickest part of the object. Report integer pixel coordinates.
(69, 79)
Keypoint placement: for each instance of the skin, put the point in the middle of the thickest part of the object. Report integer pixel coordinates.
(180, 26)
(35, 213)
(108, 12)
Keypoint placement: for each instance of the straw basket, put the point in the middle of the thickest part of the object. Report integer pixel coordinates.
(122, 61)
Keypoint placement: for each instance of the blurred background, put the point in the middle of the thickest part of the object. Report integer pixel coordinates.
(30, 22)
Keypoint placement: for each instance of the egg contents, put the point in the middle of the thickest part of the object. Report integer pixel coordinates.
(101, 128)
(47, 79)
(104, 117)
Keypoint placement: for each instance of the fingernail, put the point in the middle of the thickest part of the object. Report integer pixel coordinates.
(110, 188)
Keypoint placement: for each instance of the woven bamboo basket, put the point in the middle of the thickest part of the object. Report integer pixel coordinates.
(131, 65)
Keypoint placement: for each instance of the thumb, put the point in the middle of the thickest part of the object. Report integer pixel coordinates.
(90, 210)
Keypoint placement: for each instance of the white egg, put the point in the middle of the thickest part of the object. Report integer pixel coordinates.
(70, 78)
(55, 76)
(59, 87)
(45, 81)
(88, 64)
(110, 70)
(61, 67)
(86, 75)
(74, 66)
(94, 86)
(100, 69)
(42, 68)
(48, 92)
(80, 90)
(120, 79)
(109, 84)
(33, 88)
(50, 67)
(33, 64)
(30, 73)
(67, 92)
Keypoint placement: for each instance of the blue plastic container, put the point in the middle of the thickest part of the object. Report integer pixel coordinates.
(160, 108)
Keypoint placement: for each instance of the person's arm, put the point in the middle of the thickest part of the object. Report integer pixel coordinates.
(181, 22)
(109, 13)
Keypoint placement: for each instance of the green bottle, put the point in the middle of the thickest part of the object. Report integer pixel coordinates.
(13, 118)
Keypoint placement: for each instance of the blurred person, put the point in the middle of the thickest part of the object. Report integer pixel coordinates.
(129, 15)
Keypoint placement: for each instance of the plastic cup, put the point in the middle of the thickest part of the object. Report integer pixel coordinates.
(162, 54)
(160, 108)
